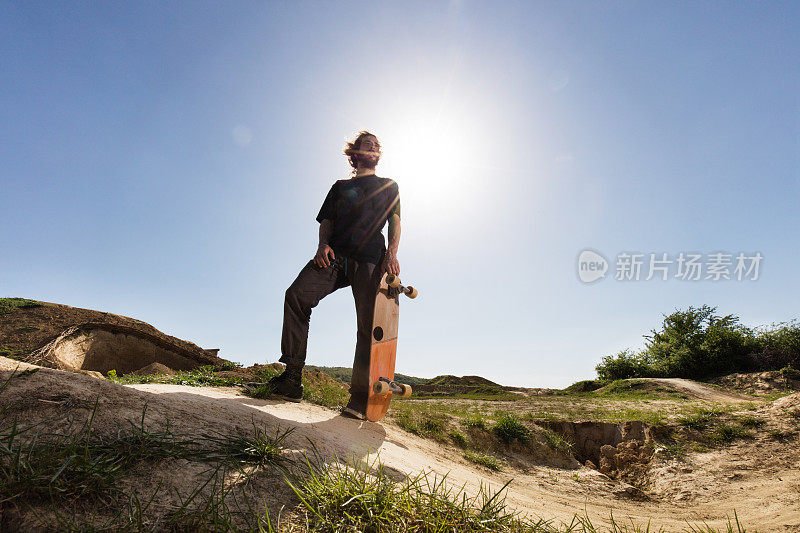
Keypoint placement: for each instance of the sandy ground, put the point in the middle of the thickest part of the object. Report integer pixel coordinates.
(758, 478)
(764, 491)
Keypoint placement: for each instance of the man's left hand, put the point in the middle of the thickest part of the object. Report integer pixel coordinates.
(390, 264)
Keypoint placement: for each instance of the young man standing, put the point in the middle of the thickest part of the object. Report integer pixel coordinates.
(351, 252)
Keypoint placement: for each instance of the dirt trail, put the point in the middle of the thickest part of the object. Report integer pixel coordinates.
(759, 479)
(702, 391)
(543, 491)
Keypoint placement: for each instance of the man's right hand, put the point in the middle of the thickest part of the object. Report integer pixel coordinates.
(324, 256)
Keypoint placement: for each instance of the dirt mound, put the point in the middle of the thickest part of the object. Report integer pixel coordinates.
(470, 381)
(446, 385)
(154, 369)
(690, 389)
(760, 383)
(102, 347)
(788, 406)
(29, 326)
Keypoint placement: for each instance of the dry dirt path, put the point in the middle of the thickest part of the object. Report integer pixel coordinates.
(701, 391)
(550, 493)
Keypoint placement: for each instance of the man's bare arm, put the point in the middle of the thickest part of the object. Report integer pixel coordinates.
(324, 253)
(390, 263)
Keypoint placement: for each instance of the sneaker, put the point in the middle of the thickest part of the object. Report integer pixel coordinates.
(287, 386)
(352, 413)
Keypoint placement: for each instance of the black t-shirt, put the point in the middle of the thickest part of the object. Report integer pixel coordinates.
(359, 208)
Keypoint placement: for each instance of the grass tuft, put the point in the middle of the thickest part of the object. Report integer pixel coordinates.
(489, 461)
(474, 420)
(362, 497)
(700, 419)
(750, 421)
(726, 433)
(509, 428)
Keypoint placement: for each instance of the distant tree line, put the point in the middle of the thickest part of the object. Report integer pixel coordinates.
(699, 344)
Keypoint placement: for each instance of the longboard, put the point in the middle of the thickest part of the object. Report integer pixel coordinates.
(383, 350)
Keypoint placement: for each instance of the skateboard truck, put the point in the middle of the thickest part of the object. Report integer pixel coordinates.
(384, 386)
(394, 283)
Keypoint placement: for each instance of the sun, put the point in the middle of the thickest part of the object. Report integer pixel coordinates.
(434, 159)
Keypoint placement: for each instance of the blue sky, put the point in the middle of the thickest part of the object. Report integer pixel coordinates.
(166, 161)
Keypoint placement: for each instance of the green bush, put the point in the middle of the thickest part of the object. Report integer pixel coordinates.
(508, 428)
(626, 364)
(697, 343)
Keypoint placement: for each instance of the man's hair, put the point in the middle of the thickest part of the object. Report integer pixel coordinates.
(356, 145)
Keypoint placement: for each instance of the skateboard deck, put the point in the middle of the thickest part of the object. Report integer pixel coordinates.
(383, 350)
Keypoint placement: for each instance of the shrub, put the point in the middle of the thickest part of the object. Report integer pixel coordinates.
(458, 438)
(474, 421)
(697, 343)
(508, 428)
(626, 364)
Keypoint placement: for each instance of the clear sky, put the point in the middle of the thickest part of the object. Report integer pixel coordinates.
(166, 161)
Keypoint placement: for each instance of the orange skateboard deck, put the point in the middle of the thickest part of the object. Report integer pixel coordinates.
(383, 351)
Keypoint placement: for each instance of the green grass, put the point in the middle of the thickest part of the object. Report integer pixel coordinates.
(8, 305)
(778, 434)
(700, 419)
(509, 428)
(474, 420)
(202, 376)
(489, 461)
(420, 420)
(362, 497)
(497, 395)
(326, 394)
(260, 448)
(750, 421)
(458, 438)
(726, 433)
(556, 441)
(587, 385)
(344, 374)
(81, 462)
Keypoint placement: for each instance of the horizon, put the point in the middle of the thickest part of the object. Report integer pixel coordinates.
(168, 164)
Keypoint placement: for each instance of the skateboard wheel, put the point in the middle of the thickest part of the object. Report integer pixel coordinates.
(392, 280)
(412, 293)
(380, 387)
(406, 390)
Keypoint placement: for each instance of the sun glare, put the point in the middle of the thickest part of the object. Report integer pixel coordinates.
(435, 162)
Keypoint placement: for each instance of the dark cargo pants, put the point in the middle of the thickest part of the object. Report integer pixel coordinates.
(312, 285)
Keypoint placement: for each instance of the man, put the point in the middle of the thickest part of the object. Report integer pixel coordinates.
(351, 252)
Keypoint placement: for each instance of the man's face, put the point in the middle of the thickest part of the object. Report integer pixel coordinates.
(369, 152)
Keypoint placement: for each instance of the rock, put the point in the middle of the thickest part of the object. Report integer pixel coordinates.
(628, 491)
(92, 373)
(153, 369)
